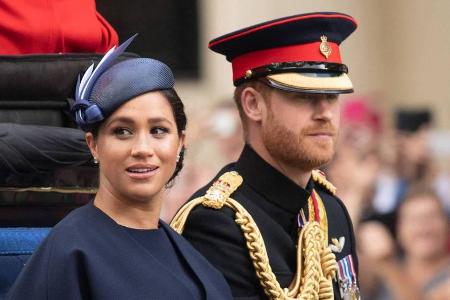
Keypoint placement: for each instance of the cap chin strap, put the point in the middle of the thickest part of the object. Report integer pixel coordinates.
(316, 264)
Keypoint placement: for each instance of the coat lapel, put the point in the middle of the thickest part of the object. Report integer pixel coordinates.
(198, 264)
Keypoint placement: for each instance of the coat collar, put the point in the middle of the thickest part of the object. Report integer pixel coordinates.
(268, 181)
(197, 264)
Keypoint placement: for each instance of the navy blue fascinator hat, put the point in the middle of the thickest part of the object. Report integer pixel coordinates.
(103, 89)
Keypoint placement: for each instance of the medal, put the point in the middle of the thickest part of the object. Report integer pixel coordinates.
(347, 279)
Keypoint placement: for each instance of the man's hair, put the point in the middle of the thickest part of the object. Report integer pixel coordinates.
(257, 85)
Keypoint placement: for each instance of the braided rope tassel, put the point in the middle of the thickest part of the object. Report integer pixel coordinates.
(259, 256)
(180, 218)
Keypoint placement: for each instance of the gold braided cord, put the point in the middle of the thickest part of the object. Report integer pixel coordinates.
(180, 218)
(320, 178)
(322, 214)
(316, 264)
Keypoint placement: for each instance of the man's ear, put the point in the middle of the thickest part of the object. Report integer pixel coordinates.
(253, 104)
(92, 144)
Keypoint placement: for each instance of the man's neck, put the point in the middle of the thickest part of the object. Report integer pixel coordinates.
(300, 177)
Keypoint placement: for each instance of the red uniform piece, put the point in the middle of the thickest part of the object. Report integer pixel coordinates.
(53, 26)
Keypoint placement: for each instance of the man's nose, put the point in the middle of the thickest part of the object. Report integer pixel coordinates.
(323, 108)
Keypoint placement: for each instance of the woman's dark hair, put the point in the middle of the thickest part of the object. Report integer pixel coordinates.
(180, 119)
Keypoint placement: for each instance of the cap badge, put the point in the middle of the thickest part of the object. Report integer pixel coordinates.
(325, 48)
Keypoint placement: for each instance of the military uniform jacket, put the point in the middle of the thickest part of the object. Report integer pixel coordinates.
(274, 201)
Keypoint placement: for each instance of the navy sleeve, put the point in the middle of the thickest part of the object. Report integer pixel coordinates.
(215, 234)
(54, 272)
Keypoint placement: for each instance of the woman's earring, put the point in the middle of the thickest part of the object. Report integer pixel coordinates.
(95, 161)
(178, 157)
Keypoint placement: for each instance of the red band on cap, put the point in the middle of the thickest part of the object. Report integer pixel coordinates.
(293, 53)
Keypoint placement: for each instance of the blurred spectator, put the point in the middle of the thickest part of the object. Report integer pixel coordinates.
(411, 162)
(356, 164)
(53, 26)
(224, 126)
(423, 269)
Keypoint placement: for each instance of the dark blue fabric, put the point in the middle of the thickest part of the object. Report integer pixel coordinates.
(120, 83)
(89, 256)
(158, 243)
(10, 267)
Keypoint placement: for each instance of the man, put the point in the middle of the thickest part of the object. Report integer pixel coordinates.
(270, 221)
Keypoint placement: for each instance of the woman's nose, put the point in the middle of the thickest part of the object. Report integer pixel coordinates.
(142, 146)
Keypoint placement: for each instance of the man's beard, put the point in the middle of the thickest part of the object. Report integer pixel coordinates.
(297, 149)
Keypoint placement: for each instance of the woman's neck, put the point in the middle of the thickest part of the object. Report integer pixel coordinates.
(130, 213)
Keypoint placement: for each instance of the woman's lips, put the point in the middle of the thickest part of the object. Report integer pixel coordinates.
(141, 172)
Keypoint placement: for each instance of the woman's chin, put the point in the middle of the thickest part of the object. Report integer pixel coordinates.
(144, 194)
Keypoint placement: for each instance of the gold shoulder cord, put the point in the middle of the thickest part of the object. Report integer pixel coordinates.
(316, 264)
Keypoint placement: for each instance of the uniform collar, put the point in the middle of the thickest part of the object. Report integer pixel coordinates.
(270, 183)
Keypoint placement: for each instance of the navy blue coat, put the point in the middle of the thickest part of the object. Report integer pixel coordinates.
(89, 256)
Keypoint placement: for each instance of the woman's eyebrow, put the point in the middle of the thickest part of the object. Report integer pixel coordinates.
(159, 120)
(130, 120)
(126, 120)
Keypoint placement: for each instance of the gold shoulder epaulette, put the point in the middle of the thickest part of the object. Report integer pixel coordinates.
(222, 189)
(320, 178)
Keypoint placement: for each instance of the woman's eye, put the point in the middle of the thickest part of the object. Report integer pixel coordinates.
(122, 132)
(159, 130)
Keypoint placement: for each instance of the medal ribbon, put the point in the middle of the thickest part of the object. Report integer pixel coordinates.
(347, 274)
(352, 269)
(315, 206)
(348, 271)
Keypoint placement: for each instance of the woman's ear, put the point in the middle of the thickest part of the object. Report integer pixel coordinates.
(92, 144)
(182, 141)
(253, 104)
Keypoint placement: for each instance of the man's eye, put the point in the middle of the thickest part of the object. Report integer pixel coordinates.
(332, 97)
(122, 132)
(159, 130)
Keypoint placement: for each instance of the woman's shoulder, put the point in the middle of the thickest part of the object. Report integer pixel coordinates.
(77, 225)
(77, 218)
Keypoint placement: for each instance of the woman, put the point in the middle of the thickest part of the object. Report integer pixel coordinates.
(116, 247)
(423, 270)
